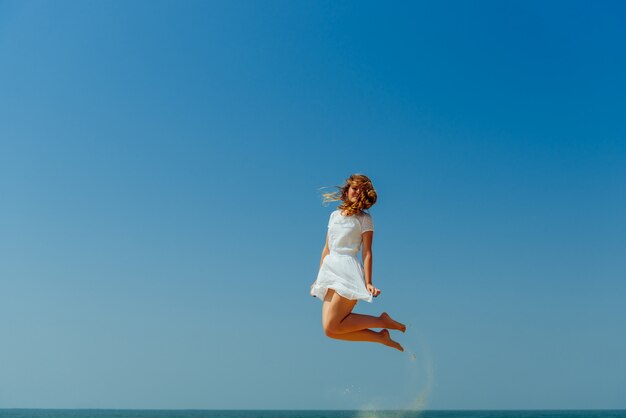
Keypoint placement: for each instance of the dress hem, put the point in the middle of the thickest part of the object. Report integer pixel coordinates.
(368, 298)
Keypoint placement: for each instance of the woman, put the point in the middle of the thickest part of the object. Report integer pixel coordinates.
(342, 279)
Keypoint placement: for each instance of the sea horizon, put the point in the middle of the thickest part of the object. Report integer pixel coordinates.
(308, 409)
(306, 413)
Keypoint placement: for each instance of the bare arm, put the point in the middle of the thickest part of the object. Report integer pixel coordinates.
(366, 253)
(325, 251)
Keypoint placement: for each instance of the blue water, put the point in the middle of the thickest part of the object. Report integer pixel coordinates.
(135, 413)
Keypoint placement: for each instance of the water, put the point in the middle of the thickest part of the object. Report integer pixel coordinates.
(136, 413)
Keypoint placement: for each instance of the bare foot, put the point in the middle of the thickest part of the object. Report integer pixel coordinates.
(388, 341)
(392, 324)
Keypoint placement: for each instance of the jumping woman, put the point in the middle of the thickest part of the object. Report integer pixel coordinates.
(342, 279)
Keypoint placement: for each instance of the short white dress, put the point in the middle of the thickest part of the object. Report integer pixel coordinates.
(341, 270)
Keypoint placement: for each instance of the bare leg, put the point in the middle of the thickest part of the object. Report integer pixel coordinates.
(355, 322)
(381, 337)
(362, 335)
(336, 309)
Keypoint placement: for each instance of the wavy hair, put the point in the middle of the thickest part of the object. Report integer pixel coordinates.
(364, 201)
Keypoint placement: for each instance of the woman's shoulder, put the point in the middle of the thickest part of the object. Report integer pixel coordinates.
(337, 212)
(367, 224)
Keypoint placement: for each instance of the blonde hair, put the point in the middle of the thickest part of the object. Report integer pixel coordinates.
(365, 200)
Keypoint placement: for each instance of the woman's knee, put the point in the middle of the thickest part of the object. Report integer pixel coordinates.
(334, 310)
(331, 328)
(330, 331)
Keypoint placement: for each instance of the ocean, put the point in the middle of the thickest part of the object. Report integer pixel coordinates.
(137, 413)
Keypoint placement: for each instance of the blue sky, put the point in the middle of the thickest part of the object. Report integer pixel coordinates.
(161, 219)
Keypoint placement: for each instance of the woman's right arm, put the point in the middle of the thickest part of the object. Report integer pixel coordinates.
(325, 251)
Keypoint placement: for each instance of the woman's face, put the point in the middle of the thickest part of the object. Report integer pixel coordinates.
(353, 192)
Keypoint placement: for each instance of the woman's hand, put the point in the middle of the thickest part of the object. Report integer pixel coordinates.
(372, 290)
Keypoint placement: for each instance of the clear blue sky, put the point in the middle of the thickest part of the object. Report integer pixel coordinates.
(160, 219)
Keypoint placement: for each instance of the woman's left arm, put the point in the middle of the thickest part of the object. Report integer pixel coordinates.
(366, 252)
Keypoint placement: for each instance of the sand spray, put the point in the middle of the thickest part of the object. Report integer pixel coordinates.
(420, 369)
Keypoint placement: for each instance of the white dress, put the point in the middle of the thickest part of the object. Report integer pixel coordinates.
(341, 270)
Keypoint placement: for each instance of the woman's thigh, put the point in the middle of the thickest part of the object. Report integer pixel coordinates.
(335, 308)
